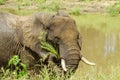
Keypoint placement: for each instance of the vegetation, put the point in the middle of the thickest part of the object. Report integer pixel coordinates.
(47, 46)
(114, 9)
(51, 6)
(2, 2)
(103, 23)
(103, 72)
(19, 69)
(75, 11)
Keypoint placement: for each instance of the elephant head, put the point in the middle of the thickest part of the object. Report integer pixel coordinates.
(62, 31)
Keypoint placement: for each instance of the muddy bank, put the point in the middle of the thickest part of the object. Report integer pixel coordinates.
(91, 6)
(85, 7)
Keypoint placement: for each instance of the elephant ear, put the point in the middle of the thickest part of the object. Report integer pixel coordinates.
(32, 28)
(43, 19)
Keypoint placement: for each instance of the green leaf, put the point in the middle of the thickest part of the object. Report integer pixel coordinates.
(47, 46)
(14, 60)
(23, 66)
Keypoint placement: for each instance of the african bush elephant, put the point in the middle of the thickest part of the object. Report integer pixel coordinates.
(20, 34)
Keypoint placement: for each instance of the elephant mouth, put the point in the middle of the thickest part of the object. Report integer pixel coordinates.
(64, 52)
(64, 62)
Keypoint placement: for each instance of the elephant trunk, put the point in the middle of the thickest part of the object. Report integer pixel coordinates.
(71, 57)
(63, 64)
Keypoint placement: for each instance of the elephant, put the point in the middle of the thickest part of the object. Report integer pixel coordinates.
(20, 35)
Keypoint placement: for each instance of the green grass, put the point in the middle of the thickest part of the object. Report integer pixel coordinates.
(94, 73)
(2, 2)
(75, 11)
(104, 23)
(110, 72)
(52, 6)
(19, 70)
(114, 9)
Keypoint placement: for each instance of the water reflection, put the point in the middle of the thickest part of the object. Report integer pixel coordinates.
(96, 41)
(110, 43)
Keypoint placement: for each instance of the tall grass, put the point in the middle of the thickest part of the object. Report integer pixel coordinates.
(19, 69)
(53, 5)
(91, 73)
(98, 73)
(75, 11)
(114, 9)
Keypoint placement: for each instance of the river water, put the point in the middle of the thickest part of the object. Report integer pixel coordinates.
(97, 42)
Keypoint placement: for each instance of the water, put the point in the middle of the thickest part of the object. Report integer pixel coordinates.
(110, 43)
(97, 42)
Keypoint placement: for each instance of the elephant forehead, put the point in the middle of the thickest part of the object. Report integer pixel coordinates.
(69, 34)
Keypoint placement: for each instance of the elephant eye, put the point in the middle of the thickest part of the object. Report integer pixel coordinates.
(56, 40)
(78, 36)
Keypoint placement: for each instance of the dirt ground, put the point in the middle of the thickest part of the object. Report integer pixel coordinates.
(85, 7)
(93, 6)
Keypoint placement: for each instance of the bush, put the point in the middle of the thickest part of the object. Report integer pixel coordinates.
(114, 9)
(19, 68)
(75, 11)
(52, 6)
(2, 2)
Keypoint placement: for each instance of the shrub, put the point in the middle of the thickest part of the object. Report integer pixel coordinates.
(2, 2)
(51, 6)
(75, 11)
(19, 68)
(114, 9)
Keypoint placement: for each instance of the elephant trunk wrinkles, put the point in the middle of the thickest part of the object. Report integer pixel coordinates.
(71, 55)
(73, 58)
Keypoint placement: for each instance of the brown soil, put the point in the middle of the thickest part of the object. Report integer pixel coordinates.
(91, 7)
(85, 7)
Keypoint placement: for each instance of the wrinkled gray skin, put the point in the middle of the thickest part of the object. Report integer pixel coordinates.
(20, 35)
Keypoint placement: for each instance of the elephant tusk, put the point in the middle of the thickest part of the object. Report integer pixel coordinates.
(87, 62)
(63, 65)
